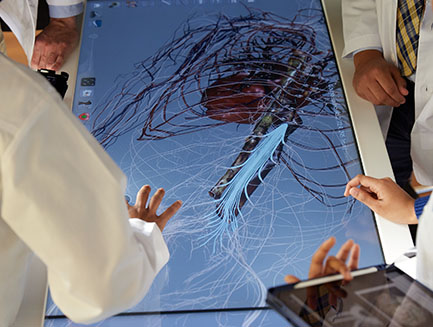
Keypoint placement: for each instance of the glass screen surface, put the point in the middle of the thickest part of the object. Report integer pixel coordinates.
(235, 108)
(263, 318)
(384, 298)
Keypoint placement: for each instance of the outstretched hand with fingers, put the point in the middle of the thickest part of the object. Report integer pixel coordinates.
(148, 212)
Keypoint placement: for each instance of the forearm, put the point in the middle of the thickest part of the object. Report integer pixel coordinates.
(408, 216)
(67, 22)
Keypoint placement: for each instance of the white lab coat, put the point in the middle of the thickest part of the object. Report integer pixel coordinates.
(424, 270)
(61, 198)
(20, 16)
(372, 24)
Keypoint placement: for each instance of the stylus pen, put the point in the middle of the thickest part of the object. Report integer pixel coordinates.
(333, 278)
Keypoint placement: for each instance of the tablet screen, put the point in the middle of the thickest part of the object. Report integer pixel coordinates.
(236, 108)
(384, 298)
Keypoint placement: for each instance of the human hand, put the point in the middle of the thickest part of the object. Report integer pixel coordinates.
(384, 197)
(332, 265)
(148, 213)
(378, 81)
(55, 43)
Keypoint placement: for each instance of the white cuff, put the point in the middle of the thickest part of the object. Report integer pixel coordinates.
(65, 11)
(150, 236)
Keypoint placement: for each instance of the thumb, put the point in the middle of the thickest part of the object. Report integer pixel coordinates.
(400, 81)
(290, 279)
(364, 197)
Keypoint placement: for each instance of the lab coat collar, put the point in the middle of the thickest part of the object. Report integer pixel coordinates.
(20, 16)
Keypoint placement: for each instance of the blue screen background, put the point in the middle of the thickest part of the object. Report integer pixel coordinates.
(282, 224)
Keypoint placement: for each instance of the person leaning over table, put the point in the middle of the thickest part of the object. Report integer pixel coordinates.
(62, 199)
(58, 39)
(391, 43)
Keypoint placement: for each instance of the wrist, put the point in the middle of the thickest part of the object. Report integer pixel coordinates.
(365, 56)
(412, 217)
(66, 22)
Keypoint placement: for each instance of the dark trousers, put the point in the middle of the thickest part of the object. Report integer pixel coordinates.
(398, 144)
(398, 138)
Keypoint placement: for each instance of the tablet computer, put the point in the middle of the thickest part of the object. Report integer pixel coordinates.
(375, 297)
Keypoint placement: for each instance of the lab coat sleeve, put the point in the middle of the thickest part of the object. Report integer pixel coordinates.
(63, 196)
(422, 145)
(360, 26)
(63, 2)
(65, 8)
(424, 261)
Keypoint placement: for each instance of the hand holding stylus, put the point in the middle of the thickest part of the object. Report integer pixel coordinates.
(319, 267)
(384, 197)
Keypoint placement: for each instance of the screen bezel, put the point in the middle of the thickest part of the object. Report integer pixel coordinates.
(394, 238)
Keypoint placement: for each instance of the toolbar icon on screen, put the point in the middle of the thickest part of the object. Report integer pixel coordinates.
(88, 81)
(86, 93)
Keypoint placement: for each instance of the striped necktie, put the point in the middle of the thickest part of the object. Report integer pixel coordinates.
(409, 15)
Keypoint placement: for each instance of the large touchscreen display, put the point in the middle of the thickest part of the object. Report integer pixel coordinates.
(236, 108)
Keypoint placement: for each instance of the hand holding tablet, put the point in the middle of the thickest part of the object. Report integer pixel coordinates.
(333, 264)
(374, 296)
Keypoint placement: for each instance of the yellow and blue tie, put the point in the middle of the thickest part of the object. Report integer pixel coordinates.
(409, 15)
